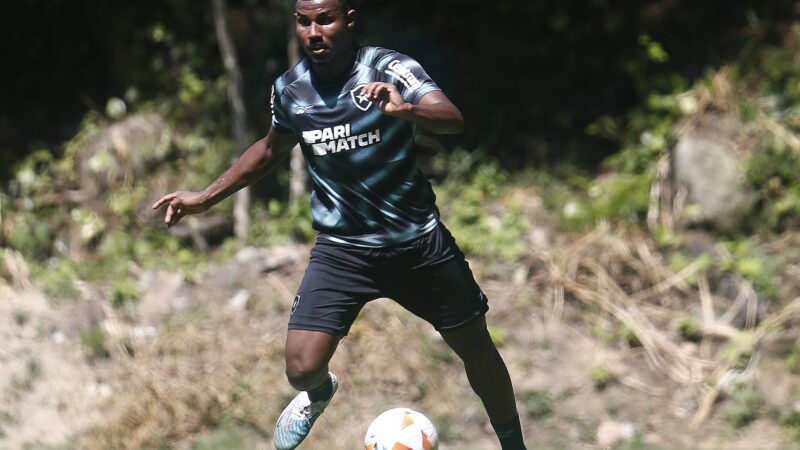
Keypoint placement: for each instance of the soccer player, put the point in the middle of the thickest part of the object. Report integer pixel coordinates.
(354, 110)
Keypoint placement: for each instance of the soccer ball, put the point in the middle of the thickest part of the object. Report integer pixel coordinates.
(401, 429)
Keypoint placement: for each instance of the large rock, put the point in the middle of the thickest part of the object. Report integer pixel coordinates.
(707, 166)
(160, 296)
(122, 150)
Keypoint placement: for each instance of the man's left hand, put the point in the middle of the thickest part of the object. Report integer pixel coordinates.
(387, 97)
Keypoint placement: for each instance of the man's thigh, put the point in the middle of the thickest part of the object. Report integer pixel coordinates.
(336, 285)
(439, 286)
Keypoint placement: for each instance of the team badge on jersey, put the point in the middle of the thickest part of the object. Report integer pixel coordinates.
(361, 101)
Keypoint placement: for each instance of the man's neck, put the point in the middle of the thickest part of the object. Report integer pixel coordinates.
(335, 70)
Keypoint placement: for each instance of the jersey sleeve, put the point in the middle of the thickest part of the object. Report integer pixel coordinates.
(408, 75)
(280, 121)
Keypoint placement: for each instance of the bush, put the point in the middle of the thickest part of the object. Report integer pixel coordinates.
(57, 278)
(744, 408)
(123, 291)
(276, 223)
(537, 403)
(474, 181)
(602, 377)
(93, 342)
(792, 360)
(497, 335)
(689, 329)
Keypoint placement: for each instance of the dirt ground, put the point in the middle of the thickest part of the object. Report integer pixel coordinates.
(225, 330)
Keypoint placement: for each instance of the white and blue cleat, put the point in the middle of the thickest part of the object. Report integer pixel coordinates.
(298, 417)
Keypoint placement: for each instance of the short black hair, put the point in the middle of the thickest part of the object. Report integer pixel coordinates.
(345, 5)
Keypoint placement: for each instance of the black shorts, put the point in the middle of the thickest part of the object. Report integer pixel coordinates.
(428, 276)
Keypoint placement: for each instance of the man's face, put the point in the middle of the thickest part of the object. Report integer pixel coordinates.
(324, 29)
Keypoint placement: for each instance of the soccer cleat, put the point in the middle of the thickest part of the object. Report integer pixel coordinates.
(298, 417)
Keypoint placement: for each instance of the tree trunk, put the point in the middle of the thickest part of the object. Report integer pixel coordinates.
(299, 178)
(241, 201)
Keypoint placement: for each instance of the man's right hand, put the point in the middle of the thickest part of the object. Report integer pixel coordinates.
(181, 203)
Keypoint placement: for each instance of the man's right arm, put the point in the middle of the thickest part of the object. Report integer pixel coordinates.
(255, 162)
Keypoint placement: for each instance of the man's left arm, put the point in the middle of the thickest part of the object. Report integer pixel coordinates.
(434, 111)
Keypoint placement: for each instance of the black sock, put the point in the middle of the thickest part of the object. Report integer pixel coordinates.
(322, 392)
(510, 434)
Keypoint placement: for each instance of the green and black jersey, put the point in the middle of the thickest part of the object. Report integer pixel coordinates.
(367, 187)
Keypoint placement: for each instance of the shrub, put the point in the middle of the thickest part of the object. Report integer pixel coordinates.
(602, 377)
(93, 342)
(689, 329)
(537, 403)
(744, 408)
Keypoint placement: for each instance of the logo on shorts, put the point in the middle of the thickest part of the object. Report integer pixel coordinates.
(362, 101)
(294, 304)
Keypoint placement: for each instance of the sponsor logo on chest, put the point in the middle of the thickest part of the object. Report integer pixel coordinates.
(338, 139)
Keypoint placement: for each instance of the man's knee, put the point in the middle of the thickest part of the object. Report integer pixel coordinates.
(472, 343)
(307, 356)
(304, 374)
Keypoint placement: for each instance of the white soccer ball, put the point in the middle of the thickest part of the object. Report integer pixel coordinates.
(401, 429)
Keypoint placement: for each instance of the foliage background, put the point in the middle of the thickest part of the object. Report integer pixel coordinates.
(530, 76)
(570, 108)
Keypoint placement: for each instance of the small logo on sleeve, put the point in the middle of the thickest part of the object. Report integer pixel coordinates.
(404, 75)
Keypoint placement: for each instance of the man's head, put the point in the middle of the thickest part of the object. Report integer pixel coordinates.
(325, 29)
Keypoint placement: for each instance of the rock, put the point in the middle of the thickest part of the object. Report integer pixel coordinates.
(706, 165)
(700, 243)
(239, 301)
(122, 150)
(263, 261)
(520, 275)
(16, 268)
(732, 380)
(159, 294)
(611, 433)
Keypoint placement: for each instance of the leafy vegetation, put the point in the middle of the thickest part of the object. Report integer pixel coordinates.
(602, 377)
(93, 341)
(475, 180)
(538, 404)
(589, 144)
(744, 408)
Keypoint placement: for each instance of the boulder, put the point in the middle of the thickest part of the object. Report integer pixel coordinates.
(121, 150)
(160, 296)
(611, 433)
(706, 165)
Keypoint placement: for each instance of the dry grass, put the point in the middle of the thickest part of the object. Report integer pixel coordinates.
(224, 367)
(186, 381)
(616, 272)
(228, 366)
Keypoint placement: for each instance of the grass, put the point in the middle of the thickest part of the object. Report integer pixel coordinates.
(537, 404)
(20, 317)
(602, 377)
(228, 436)
(93, 342)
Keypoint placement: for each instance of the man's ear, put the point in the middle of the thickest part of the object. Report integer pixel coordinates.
(352, 17)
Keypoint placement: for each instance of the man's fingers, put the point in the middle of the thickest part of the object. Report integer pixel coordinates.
(165, 199)
(168, 216)
(379, 89)
(373, 90)
(367, 89)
